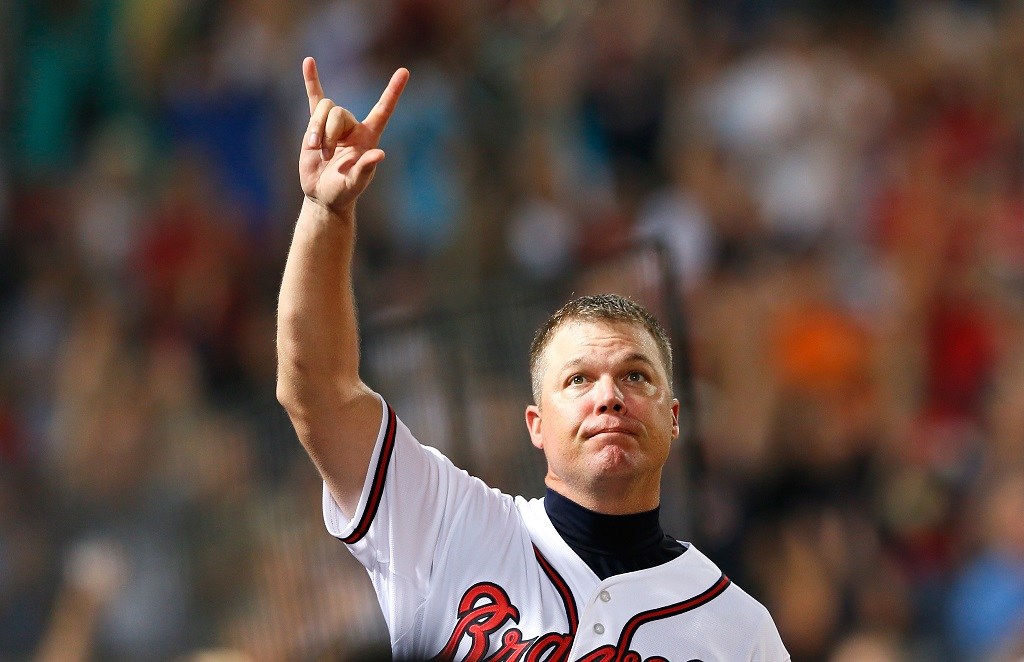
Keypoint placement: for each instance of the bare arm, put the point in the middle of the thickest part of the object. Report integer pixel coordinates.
(335, 415)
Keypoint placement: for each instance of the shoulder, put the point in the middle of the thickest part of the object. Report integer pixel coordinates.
(700, 563)
(542, 531)
(703, 584)
(740, 612)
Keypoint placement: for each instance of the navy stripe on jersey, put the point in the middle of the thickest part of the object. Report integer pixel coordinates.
(377, 485)
(668, 611)
(562, 587)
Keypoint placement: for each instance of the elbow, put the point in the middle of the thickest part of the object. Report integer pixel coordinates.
(296, 383)
(285, 393)
(311, 375)
(296, 374)
(288, 395)
(301, 391)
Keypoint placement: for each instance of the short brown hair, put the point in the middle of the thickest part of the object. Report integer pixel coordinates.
(594, 308)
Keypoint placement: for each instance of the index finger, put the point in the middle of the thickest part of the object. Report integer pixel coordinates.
(379, 115)
(313, 90)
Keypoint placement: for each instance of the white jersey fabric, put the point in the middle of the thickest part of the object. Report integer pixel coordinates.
(465, 572)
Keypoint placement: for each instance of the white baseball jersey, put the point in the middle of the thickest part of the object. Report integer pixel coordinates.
(464, 572)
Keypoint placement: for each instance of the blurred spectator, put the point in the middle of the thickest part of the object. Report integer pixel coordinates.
(304, 600)
(94, 572)
(542, 231)
(111, 193)
(190, 268)
(868, 647)
(986, 608)
(68, 79)
(109, 472)
(217, 103)
(676, 215)
(28, 564)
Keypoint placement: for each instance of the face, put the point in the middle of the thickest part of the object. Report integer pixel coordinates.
(606, 418)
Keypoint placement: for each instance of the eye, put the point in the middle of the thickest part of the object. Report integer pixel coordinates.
(636, 376)
(576, 380)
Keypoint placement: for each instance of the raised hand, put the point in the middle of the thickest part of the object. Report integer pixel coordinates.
(339, 154)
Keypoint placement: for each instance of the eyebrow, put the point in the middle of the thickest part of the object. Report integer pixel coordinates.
(634, 357)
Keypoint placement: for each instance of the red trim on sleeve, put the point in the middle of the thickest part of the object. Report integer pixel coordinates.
(377, 486)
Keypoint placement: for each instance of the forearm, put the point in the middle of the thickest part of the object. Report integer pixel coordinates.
(317, 336)
(335, 416)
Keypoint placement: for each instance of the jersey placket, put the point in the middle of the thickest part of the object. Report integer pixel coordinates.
(599, 623)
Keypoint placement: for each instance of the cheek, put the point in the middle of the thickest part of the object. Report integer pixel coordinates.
(564, 407)
(557, 423)
(561, 421)
(660, 416)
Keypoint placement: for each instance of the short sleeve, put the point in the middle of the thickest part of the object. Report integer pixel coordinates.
(413, 499)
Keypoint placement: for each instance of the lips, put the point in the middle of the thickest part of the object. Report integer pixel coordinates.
(619, 428)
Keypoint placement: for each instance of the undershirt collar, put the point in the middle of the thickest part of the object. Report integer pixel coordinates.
(611, 544)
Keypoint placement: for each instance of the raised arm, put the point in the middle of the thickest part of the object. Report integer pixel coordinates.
(335, 415)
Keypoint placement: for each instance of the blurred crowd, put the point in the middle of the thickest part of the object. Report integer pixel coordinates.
(840, 184)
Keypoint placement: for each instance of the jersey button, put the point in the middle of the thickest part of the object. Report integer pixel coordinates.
(598, 628)
(605, 596)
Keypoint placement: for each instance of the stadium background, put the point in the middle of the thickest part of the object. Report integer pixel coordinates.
(825, 201)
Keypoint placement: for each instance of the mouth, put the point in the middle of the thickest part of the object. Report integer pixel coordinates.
(609, 432)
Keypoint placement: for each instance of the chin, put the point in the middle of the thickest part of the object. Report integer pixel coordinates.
(614, 460)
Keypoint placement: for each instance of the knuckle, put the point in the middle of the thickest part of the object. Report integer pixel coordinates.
(325, 105)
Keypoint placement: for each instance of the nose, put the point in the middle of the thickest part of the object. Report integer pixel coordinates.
(608, 396)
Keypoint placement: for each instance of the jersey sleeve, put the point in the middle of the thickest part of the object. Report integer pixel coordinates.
(413, 499)
(768, 646)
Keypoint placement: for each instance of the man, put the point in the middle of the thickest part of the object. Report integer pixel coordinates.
(462, 571)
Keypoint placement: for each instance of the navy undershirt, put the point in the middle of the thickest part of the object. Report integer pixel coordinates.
(611, 544)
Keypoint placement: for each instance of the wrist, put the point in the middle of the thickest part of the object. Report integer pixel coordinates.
(316, 210)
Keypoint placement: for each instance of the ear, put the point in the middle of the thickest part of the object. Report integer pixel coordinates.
(675, 418)
(533, 420)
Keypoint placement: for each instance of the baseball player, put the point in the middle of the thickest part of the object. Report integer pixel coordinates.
(462, 571)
